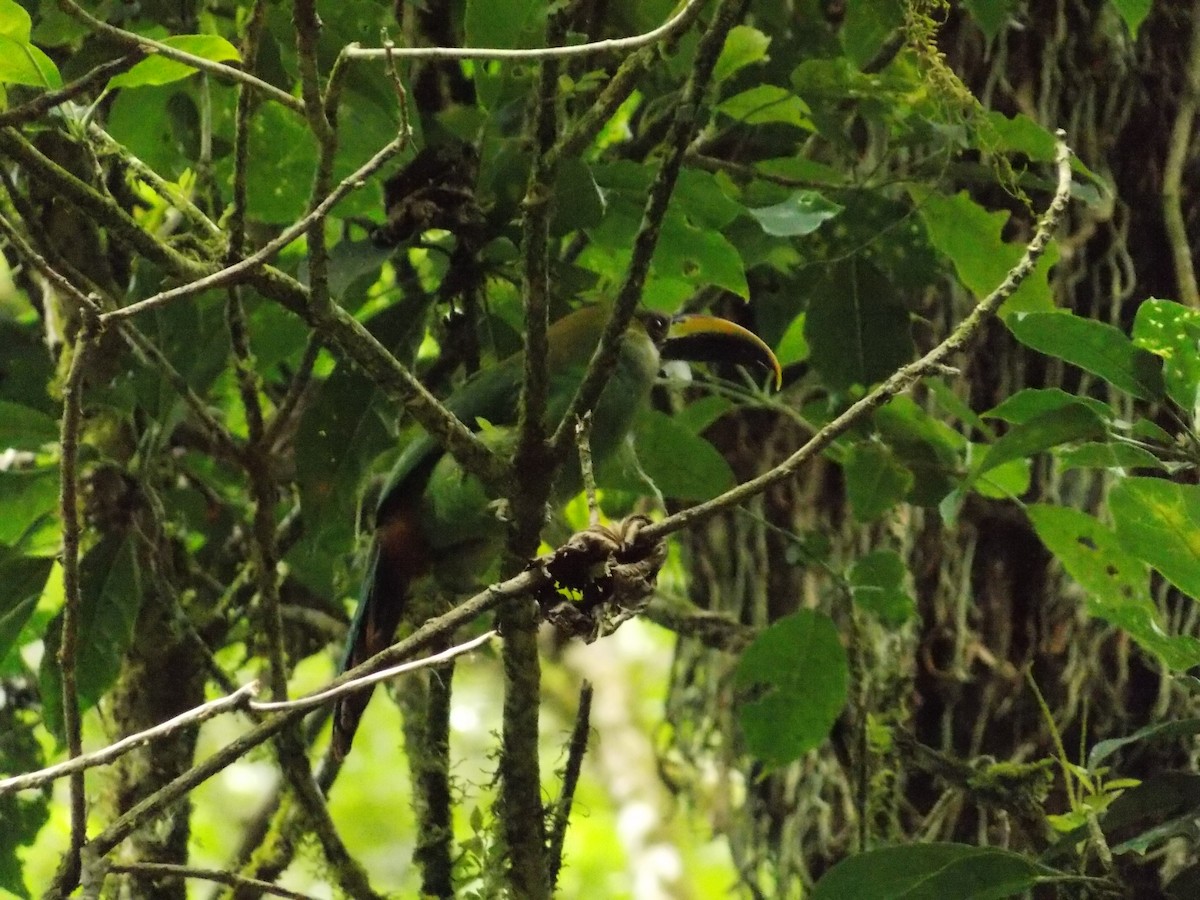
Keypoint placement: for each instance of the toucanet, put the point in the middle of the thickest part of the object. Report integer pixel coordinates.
(433, 519)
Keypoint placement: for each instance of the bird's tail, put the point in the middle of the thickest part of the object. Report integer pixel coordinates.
(397, 560)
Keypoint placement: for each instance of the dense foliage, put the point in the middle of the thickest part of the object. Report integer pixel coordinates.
(245, 245)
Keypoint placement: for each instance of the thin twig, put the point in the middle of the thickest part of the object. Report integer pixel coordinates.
(149, 45)
(1178, 151)
(676, 23)
(900, 380)
(241, 132)
(566, 798)
(228, 878)
(213, 430)
(161, 186)
(231, 273)
(583, 435)
(357, 684)
(235, 701)
(72, 422)
(43, 103)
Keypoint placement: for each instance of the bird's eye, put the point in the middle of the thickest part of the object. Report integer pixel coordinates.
(657, 326)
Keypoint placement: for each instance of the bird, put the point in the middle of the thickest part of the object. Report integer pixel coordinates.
(434, 519)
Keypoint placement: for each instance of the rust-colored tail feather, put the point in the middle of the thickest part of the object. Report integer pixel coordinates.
(398, 557)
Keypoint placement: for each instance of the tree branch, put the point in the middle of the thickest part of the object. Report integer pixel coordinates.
(235, 701)
(147, 45)
(43, 103)
(683, 130)
(674, 25)
(901, 380)
(72, 420)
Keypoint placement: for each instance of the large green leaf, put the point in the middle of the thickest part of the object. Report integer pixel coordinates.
(744, 46)
(505, 23)
(1116, 582)
(280, 166)
(797, 672)
(800, 214)
(28, 497)
(1107, 455)
(15, 21)
(23, 428)
(1172, 331)
(875, 480)
(158, 70)
(1095, 347)
(1043, 431)
(867, 25)
(1158, 521)
(681, 464)
(1173, 728)
(23, 63)
(877, 583)
(767, 103)
(930, 872)
(698, 257)
(855, 334)
(111, 595)
(1028, 403)
(23, 578)
(1134, 12)
(971, 237)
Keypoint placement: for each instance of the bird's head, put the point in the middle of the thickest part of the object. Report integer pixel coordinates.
(696, 337)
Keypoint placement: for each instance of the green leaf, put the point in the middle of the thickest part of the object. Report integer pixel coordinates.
(927, 447)
(1175, 728)
(1108, 455)
(800, 214)
(867, 25)
(793, 348)
(877, 584)
(971, 237)
(1021, 134)
(702, 413)
(698, 257)
(1134, 12)
(767, 103)
(581, 204)
(930, 872)
(28, 498)
(743, 47)
(110, 589)
(1117, 583)
(14, 21)
(1158, 521)
(157, 70)
(1172, 331)
(1031, 402)
(505, 23)
(23, 578)
(23, 63)
(799, 666)
(681, 464)
(1043, 431)
(1007, 480)
(875, 481)
(1095, 347)
(855, 335)
(23, 428)
(701, 197)
(990, 15)
(280, 166)
(339, 436)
